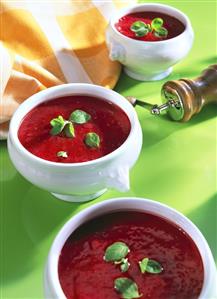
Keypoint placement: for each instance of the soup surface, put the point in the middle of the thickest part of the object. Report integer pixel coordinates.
(84, 273)
(173, 25)
(107, 120)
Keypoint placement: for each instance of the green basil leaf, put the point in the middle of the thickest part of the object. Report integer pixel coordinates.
(154, 267)
(125, 265)
(157, 23)
(116, 252)
(127, 288)
(57, 124)
(162, 32)
(79, 117)
(143, 265)
(62, 154)
(140, 28)
(142, 32)
(137, 25)
(150, 266)
(92, 139)
(69, 130)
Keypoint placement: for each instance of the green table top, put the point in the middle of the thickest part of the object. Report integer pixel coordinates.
(177, 166)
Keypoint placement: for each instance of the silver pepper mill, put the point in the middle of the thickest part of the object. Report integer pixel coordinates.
(185, 97)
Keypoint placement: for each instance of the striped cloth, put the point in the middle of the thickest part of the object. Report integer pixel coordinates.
(48, 42)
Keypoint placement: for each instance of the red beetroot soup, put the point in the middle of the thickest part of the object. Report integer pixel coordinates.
(107, 120)
(173, 25)
(84, 274)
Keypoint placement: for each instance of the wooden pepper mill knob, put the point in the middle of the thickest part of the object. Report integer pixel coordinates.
(185, 97)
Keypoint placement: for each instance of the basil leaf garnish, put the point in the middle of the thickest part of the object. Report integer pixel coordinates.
(137, 26)
(161, 32)
(143, 265)
(140, 28)
(157, 23)
(154, 267)
(92, 139)
(79, 117)
(127, 288)
(69, 130)
(58, 125)
(62, 154)
(141, 32)
(125, 265)
(116, 252)
(150, 266)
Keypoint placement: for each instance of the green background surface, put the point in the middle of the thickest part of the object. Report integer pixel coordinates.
(177, 166)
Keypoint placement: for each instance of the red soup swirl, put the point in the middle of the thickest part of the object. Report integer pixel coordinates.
(161, 260)
(74, 129)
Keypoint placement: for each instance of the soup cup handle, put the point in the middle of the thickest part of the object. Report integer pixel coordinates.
(117, 52)
(117, 178)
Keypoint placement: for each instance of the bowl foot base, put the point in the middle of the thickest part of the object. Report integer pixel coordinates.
(79, 198)
(148, 77)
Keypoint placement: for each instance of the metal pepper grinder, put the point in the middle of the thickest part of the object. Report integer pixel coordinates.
(185, 97)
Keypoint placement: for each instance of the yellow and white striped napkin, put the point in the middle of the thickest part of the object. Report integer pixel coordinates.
(48, 42)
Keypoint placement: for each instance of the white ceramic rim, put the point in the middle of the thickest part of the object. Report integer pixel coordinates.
(151, 6)
(49, 94)
(122, 204)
